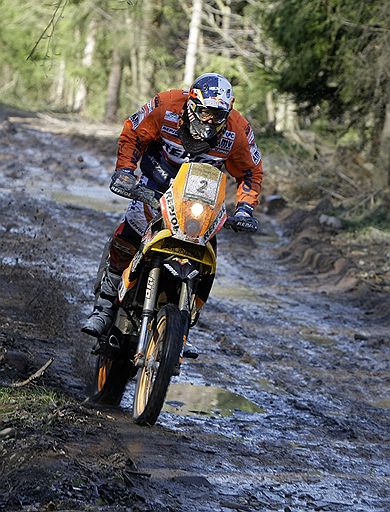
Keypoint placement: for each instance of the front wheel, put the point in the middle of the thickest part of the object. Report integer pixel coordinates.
(161, 357)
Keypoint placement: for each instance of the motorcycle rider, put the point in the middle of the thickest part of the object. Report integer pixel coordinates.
(199, 125)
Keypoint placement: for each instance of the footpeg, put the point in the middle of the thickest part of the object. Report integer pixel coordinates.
(190, 352)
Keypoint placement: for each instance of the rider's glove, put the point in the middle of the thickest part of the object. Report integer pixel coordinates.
(123, 182)
(242, 219)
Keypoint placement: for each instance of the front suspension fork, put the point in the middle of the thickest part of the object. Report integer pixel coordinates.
(147, 314)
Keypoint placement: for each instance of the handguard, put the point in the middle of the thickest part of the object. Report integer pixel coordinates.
(124, 184)
(146, 195)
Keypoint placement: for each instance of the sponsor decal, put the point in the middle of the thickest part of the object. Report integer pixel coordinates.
(139, 116)
(249, 134)
(146, 109)
(173, 150)
(136, 260)
(171, 210)
(162, 173)
(196, 251)
(149, 287)
(176, 153)
(256, 155)
(215, 224)
(169, 129)
(229, 135)
(225, 145)
(171, 116)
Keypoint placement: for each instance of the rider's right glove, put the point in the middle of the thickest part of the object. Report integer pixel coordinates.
(243, 219)
(123, 182)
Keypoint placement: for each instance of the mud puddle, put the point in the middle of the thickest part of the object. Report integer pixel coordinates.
(189, 400)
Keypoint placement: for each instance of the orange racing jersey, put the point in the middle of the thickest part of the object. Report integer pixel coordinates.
(158, 121)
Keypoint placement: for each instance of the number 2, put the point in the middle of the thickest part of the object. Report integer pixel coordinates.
(203, 186)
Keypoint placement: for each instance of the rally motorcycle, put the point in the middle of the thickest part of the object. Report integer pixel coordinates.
(158, 291)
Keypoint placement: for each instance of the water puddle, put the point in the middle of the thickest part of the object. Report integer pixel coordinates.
(190, 400)
(382, 404)
(104, 204)
(236, 292)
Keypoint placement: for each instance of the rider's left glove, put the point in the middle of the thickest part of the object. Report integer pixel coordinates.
(123, 182)
(243, 219)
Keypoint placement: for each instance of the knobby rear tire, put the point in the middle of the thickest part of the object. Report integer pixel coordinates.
(110, 380)
(161, 355)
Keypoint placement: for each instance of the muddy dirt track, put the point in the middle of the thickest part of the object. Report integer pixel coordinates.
(286, 409)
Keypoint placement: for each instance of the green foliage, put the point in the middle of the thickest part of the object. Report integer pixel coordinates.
(325, 49)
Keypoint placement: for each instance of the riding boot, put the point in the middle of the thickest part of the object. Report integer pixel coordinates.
(106, 305)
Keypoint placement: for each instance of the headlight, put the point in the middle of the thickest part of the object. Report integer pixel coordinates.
(197, 209)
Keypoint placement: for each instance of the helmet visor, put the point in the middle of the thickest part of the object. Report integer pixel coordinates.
(206, 114)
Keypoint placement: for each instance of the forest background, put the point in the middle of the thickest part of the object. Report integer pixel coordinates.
(312, 76)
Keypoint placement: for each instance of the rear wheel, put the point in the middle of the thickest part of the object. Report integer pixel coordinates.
(113, 370)
(110, 379)
(161, 357)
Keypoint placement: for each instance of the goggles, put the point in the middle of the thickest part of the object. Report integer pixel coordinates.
(206, 114)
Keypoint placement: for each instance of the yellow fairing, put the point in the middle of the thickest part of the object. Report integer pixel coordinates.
(199, 193)
(164, 242)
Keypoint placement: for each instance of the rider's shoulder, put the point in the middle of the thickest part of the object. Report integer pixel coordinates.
(173, 98)
(238, 124)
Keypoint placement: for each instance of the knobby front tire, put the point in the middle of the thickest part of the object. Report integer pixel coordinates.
(161, 357)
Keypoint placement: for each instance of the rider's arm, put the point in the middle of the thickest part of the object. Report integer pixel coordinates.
(139, 130)
(244, 162)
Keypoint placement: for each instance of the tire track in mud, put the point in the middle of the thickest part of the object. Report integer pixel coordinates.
(314, 365)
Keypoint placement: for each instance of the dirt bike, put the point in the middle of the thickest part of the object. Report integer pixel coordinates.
(157, 294)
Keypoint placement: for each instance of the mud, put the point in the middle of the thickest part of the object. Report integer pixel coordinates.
(292, 384)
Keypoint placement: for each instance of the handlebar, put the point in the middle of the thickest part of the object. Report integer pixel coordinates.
(147, 195)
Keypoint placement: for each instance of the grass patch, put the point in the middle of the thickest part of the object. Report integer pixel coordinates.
(22, 404)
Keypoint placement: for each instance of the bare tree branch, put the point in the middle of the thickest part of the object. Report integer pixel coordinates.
(51, 25)
(34, 376)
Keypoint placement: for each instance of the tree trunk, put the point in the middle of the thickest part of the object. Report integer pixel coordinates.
(226, 12)
(59, 85)
(81, 87)
(145, 67)
(286, 116)
(270, 108)
(114, 84)
(382, 177)
(192, 46)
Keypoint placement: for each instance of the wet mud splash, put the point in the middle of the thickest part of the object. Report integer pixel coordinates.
(291, 387)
